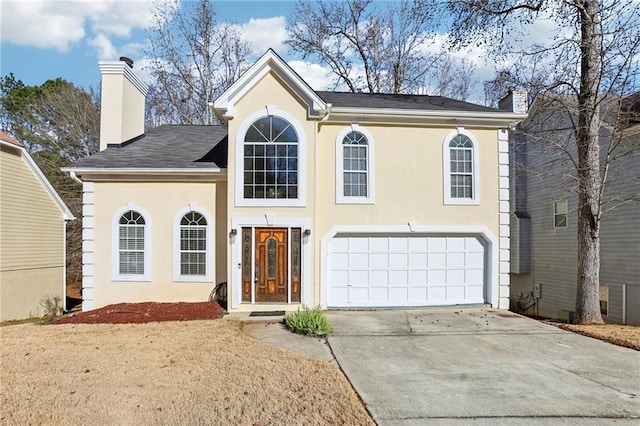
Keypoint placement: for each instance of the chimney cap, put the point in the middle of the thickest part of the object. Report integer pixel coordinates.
(127, 61)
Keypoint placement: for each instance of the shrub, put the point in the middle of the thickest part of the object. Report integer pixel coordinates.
(307, 321)
(51, 308)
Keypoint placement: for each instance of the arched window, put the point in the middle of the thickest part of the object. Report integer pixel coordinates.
(461, 163)
(354, 163)
(460, 153)
(193, 245)
(131, 244)
(271, 160)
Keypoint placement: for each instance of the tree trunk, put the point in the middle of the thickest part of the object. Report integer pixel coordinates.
(589, 183)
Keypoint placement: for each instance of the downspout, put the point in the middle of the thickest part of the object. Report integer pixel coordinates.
(318, 248)
(73, 176)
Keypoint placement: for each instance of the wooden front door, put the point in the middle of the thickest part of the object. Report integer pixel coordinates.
(271, 265)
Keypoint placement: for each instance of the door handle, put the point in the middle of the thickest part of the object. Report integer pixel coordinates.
(256, 276)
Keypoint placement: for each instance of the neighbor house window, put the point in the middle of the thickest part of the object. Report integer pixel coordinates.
(270, 160)
(131, 245)
(560, 213)
(460, 168)
(354, 177)
(193, 248)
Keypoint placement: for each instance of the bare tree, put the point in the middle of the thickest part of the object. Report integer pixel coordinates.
(368, 46)
(594, 54)
(193, 59)
(452, 77)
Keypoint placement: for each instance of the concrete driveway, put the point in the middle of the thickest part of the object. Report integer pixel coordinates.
(482, 366)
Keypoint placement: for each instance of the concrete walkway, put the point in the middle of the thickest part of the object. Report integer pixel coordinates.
(483, 367)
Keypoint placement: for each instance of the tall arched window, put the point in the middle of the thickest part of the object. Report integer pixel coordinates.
(270, 160)
(354, 166)
(193, 245)
(131, 244)
(461, 163)
(460, 154)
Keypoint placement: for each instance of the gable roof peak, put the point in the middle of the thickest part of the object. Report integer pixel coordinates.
(270, 61)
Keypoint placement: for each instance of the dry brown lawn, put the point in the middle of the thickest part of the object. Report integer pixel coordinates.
(621, 335)
(172, 373)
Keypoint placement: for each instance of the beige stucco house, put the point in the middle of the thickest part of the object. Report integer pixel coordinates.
(32, 235)
(299, 198)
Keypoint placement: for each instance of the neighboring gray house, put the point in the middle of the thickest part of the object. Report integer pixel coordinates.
(544, 209)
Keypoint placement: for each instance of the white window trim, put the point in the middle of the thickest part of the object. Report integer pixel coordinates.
(340, 197)
(301, 201)
(208, 277)
(448, 200)
(115, 245)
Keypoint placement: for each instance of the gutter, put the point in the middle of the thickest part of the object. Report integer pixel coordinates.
(419, 117)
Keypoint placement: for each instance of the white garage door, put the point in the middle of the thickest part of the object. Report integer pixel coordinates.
(387, 271)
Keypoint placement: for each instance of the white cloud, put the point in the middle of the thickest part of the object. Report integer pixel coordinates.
(265, 33)
(316, 76)
(58, 24)
(105, 51)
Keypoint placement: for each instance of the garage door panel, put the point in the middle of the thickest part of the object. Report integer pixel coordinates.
(418, 260)
(475, 260)
(379, 245)
(340, 261)
(418, 278)
(379, 278)
(398, 296)
(398, 261)
(437, 276)
(398, 278)
(456, 243)
(398, 244)
(339, 278)
(359, 245)
(418, 294)
(455, 276)
(379, 260)
(379, 295)
(437, 260)
(402, 270)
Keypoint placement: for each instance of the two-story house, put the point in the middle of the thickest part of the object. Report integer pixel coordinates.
(299, 197)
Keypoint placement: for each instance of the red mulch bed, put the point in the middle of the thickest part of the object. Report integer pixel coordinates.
(137, 313)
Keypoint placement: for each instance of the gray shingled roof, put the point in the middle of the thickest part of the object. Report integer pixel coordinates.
(166, 147)
(413, 102)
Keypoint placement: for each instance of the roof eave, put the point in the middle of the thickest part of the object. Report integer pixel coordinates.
(106, 173)
(475, 118)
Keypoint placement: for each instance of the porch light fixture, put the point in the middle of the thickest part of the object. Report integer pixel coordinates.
(233, 232)
(307, 232)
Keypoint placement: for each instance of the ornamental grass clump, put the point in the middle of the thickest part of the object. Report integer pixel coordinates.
(307, 321)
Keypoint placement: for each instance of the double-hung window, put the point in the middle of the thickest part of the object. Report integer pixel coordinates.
(354, 160)
(131, 251)
(131, 244)
(460, 169)
(193, 245)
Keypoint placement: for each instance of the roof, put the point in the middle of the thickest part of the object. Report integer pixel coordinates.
(408, 102)
(166, 147)
(5, 137)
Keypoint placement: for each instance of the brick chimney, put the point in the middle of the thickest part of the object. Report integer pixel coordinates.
(514, 101)
(122, 105)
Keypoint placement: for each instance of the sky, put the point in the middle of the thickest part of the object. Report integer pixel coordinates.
(47, 39)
